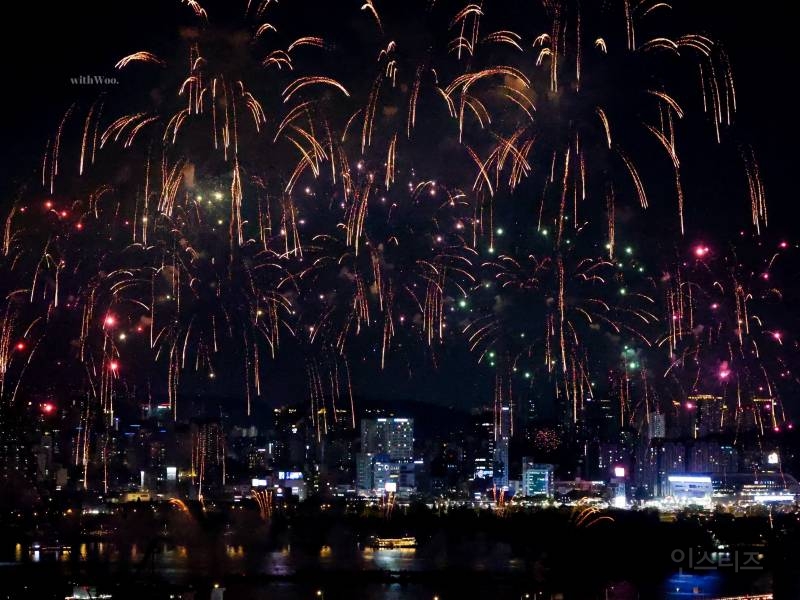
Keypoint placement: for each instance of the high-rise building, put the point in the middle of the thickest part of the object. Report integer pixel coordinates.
(655, 462)
(208, 454)
(502, 439)
(383, 468)
(705, 457)
(44, 457)
(537, 479)
(712, 414)
(504, 424)
(393, 476)
(482, 454)
(747, 418)
(649, 468)
(674, 460)
(763, 413)
(729, 457)
(610, 455)
(392, 436)
(500, 466)
(608, 415)
(378, 474)
(16, 457)
(364, 471)
(386, 460)
(657, 427)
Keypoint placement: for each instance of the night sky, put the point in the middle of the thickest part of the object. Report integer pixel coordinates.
(80, 38)
(76, 39)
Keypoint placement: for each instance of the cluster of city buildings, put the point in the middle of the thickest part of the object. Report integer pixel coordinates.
(691, 459)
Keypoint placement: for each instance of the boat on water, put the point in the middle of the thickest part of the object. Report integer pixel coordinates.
(50, 547)
(85, 592)
(380, 543)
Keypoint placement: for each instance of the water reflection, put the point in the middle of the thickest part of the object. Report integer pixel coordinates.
(287, 566)
(692, 585)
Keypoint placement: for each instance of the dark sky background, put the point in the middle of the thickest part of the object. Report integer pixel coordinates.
(48, 44)
(88, 38)
(53, 43)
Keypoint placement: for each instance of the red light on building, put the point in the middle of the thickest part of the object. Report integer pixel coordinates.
(48, 408)
(20, 346)
(113, 365)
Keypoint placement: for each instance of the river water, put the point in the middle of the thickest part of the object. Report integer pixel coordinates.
(162, 569)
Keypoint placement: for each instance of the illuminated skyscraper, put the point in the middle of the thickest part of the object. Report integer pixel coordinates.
(391, 436)
(385, 462)
(502, 439)
(208, 454)
(537, 479)
(657, 427)
(711, 414)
